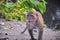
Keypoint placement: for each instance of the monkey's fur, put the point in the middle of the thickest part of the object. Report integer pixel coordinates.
(34, 19)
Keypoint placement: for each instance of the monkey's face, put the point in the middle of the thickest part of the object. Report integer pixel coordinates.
(31, 18)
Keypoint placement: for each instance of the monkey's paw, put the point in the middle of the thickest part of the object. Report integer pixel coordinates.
(33, 39)
(22, 32)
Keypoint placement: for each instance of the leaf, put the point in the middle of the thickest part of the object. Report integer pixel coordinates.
(9, 8)
(8, 17)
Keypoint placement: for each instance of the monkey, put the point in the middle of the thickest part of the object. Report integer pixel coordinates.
(34, 19)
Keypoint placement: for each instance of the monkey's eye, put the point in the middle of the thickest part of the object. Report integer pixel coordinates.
(31, 15)
(27, 15)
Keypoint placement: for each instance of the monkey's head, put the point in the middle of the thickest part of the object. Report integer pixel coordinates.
(31, 16)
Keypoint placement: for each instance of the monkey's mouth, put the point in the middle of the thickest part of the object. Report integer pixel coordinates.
(29, 21)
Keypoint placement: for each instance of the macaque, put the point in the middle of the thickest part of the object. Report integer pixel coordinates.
(34, 19)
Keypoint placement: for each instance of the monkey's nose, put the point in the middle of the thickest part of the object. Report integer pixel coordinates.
(29, 21)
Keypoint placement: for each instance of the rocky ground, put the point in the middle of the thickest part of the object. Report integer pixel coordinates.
(14, 28)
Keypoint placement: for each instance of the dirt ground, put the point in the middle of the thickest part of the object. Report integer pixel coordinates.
(14, 33)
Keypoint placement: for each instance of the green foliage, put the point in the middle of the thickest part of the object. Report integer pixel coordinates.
(18, 9)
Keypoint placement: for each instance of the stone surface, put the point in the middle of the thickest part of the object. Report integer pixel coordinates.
(17, 27)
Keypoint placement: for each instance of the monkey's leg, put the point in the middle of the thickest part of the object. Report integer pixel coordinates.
(31, 34)
(40, 33)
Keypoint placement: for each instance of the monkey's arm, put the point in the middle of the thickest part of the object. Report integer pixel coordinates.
(24, 29)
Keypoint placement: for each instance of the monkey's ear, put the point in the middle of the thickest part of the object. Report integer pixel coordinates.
(37, 13)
